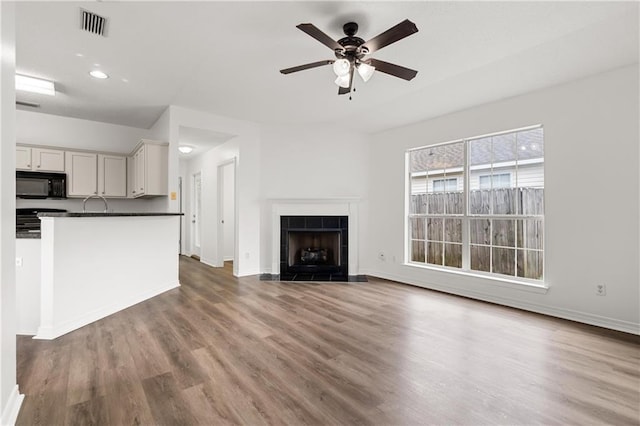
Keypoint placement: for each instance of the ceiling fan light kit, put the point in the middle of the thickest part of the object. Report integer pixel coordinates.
(341, 67)
(343, 80)
(350, 52)
(365, 71)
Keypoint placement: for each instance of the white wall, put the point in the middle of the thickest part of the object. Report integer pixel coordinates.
(591, 225)
(245, 148)
(312, 162)
(10, 399)
(35, 128)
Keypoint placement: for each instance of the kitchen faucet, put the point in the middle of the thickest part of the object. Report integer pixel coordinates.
(84, 202)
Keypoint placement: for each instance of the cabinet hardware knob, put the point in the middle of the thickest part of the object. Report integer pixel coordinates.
(28, 165)
(38, 166)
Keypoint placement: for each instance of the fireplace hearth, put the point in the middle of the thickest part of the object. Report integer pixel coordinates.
(314, 248)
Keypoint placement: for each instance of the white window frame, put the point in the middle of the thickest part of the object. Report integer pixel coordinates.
(466, 217)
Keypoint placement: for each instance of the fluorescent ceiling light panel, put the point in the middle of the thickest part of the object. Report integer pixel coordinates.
(35, 85)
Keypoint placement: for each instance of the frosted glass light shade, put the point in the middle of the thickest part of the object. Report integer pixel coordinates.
(185, 149)
(343, 81)
(341, 67)
(365, 71)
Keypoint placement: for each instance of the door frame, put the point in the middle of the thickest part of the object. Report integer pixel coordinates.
(193, 213)
(220, 214)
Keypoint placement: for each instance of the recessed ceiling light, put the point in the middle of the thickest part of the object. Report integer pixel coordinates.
(124, 80)
(79, 55)
(98, 74)
(185, 149)
(35, 85)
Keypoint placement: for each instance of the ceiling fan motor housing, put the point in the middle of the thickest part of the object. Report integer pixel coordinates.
(352, 45)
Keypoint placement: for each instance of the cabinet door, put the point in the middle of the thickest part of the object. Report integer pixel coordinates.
(131, 177)
(112, 175)
(82, 174)
(47, 160)
(156, 169)
(23, 158)
(140, 171)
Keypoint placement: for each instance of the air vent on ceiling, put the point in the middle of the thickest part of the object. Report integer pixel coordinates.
(27, 104)
(93, 23)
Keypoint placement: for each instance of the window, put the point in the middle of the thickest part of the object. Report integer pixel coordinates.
(484, 209)
(442, 185)
(502, 180)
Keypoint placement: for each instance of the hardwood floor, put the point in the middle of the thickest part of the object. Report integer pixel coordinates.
(222, 350)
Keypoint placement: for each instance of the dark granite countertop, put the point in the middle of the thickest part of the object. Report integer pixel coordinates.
(25, 235)
(102, 214)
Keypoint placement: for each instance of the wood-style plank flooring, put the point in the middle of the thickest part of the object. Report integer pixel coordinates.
(222, 350)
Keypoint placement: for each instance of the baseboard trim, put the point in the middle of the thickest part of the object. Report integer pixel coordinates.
(568, 314)
(50, 333)
(11, 410)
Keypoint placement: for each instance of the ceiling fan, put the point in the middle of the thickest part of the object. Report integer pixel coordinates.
(350, 52)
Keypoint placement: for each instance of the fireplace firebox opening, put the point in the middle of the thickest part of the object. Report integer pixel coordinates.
(314, 248)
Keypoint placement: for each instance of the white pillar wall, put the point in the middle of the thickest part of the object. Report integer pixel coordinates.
(10, 398)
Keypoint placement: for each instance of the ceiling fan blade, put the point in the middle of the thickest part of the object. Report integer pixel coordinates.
(393, 69)
(345, 90)
(307, 66)
(393, 34)
(314, 32)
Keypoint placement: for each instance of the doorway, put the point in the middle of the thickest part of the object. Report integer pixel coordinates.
(227, 213)
(196, 214)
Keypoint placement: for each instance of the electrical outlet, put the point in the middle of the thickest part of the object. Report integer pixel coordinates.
(18, 261)
(381, 256)
(601, 289)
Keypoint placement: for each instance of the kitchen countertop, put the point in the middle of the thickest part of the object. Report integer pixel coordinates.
(25, 235)
(102, 214)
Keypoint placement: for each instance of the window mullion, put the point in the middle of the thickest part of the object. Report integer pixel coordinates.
(466, 247)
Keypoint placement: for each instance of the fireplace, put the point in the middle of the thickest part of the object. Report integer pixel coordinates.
(314, 248)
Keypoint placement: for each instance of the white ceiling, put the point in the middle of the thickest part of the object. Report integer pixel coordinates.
(201, 140)
(225, 57)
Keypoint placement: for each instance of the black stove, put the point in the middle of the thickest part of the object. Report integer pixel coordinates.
(27, 221)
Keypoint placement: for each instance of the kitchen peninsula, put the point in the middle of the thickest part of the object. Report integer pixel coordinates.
(95, 264)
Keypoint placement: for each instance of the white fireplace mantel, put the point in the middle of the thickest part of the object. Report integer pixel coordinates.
(315, 207)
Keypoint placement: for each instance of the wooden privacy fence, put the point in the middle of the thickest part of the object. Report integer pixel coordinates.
(522, 201)
(506, 246)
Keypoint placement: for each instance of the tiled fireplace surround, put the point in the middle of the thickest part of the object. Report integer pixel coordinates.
(346, 207)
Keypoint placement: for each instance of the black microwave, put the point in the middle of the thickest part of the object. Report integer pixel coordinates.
(41, 185)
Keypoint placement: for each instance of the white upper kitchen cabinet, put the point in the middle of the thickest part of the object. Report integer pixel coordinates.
(82, 173)
(23, 158)
(112, 175)
(39, 159)
(149, 169)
